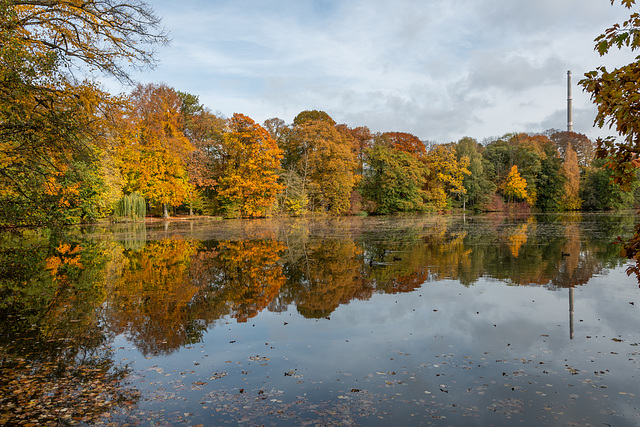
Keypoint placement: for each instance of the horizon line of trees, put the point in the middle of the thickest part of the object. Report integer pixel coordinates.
(163, 151)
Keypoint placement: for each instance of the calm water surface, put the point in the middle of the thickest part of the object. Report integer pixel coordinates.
(360, 321)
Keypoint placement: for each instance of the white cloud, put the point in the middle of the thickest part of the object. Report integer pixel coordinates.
(438, 69)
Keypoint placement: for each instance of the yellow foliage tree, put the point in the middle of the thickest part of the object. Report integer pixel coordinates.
(514, 186)
(445, 174)
(323, 159)
(153, 149)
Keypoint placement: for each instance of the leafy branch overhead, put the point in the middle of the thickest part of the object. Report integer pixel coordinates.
(104, 35)
(620, 35)
(616, 94)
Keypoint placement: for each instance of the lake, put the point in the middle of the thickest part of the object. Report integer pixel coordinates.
(407, 320)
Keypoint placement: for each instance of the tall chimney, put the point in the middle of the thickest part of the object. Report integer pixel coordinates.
(569, 112)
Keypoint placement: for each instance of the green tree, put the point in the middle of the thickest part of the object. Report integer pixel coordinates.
(393, 180)
(551, 182)
(477, 184)
(599, 191)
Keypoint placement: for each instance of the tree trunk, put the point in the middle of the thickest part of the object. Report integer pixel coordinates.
(165, 211)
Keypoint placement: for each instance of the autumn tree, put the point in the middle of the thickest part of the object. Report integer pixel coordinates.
(333, 167)
(584, 148)
(445, 175)
(103, 35)
(205, 131)
(323, 161)
(249, 161)
(571, 170)
(313, 116)
(361, 139)
(514, 186)
(615, 94)
(152, 148)
(47, 116)
(405, 142)
(50, 134)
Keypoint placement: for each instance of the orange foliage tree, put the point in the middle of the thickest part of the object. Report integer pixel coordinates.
(249, 160)
(150, 298)
(323, 161)
(405, 142)
(571, 198)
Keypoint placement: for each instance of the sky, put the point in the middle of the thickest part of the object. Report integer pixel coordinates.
(438, 69)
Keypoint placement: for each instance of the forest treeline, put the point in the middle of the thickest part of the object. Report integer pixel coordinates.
(168, 153)
(71, 152)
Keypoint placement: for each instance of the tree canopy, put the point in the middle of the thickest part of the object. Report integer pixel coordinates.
(616, 94)
(52, 123)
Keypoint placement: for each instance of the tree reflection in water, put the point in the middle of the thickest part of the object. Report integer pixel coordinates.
(168, 292)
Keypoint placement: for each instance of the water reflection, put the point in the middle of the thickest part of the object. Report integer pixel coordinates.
(62, 300)
(150, 298)
(166, 293)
